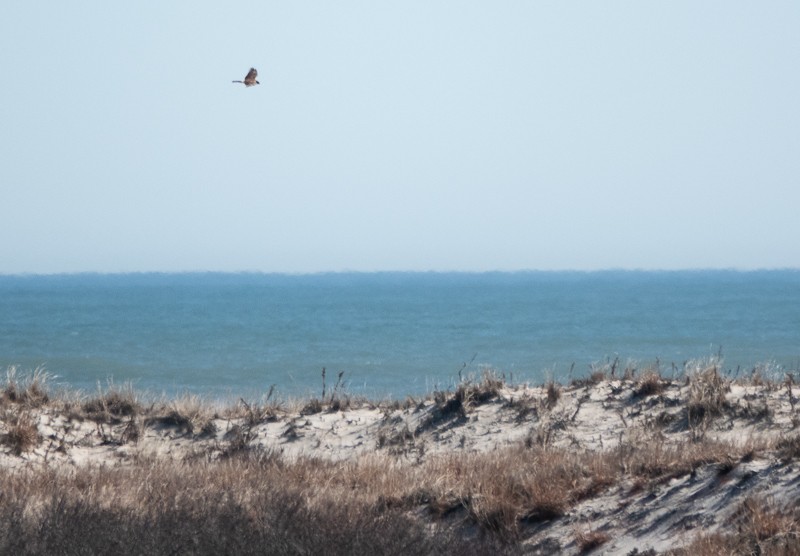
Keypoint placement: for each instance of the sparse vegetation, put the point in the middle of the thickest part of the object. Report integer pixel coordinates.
(30, 391)
(707, 395)
(252, 476)
(649, 383)
(454, 406)
(553, 394)
(111, 405)
(589, 540)
(189, 414)
(22, 433)
(760, 528)
(789, 448)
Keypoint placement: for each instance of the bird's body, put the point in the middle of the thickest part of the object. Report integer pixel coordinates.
(250, 78)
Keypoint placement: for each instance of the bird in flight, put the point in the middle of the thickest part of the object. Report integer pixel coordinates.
(250, 78)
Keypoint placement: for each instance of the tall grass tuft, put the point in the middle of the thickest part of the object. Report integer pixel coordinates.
(111, 405)
(22, 434)
(760, 528)
(648, 384)
(29, 390)
(707, 395)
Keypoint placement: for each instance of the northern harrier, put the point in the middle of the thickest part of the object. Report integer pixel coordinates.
(250, 78)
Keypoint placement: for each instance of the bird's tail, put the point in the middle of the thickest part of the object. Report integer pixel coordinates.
(237, 81)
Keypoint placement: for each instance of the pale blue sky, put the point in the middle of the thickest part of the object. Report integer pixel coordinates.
(413, 135)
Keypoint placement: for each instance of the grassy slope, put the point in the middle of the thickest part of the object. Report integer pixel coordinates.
(692, 459)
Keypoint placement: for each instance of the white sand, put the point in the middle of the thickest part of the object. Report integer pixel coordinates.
(596, 417)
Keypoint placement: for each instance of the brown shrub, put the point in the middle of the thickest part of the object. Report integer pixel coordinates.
(653, 459)
(594, 378)
(174, 419)
(553, 390)
(313, 407)
(505, 489)
(23, 434)
(760, 528)
(589, 540)
(649, 383)
(246, 506)
(29, 391)
(788, 448)
(760, 520)
(450, 406)
(706, 400)
(188, 414)
(112, 405)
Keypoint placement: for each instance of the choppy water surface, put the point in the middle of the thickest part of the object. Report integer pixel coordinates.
(391, 333)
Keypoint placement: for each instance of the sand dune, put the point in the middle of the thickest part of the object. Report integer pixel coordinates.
(654, 464)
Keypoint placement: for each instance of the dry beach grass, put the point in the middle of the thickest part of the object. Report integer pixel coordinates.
(626, 461)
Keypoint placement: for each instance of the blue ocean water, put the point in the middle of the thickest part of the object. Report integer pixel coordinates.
(391, 333)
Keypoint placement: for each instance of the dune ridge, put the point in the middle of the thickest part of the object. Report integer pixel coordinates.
(625, 461)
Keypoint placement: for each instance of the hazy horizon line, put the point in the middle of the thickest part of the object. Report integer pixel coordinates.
(431, 271)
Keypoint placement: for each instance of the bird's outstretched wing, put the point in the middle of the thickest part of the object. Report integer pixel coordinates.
(250, 78)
